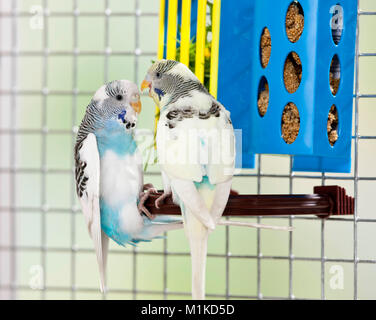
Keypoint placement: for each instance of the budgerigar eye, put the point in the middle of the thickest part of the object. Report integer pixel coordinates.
(158, 75)
(119, 97)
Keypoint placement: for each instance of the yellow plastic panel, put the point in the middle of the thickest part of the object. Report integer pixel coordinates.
(215, 48)
(200, 40)
(185, 32)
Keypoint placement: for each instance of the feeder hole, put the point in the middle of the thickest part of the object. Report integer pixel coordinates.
(290, 123)
(263, 96)
(335, 75)
(332, 125)
(337, 23)
(294, 21)
(265, 47)
(292, 73)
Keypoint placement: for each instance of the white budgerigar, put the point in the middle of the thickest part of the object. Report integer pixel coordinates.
(109, 176)
(195, 146)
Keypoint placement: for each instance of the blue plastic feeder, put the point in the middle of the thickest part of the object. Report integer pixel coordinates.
(329, 33)
(325, 46)
(235, 69)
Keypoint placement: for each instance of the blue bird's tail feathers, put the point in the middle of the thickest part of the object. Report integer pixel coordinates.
(153, 229)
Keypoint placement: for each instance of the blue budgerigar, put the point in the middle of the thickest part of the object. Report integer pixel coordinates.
(109, 176)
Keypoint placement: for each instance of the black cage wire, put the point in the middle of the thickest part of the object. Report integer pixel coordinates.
(10, 251)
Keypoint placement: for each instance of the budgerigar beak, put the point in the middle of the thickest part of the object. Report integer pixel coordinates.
(136, 106)
(146, 83)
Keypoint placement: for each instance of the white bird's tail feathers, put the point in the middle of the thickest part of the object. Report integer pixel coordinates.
(197, 235)
(101, 248)
(223, 222)
(179, 224)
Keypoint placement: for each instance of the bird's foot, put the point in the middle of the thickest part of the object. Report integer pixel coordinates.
(161, 199)
(143, 197)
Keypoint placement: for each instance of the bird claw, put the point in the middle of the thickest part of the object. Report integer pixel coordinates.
(141, 205)
(161, 199)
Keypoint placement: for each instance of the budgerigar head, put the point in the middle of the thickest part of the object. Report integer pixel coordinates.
(169, 80)
(119, 100)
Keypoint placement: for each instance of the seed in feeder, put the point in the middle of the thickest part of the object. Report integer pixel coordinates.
(263, 97)
(265, 47)
(290, 123)
(292, 73)
(332, 125)
(294, 21)
(334, 75)
(334, 84)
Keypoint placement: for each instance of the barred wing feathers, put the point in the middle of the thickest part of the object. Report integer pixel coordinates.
(193, 159)
(87, 183)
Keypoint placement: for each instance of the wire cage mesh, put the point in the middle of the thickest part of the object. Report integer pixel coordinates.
(53, 56)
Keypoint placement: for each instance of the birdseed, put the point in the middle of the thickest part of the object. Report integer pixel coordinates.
(266, 47)
(290, 123)
(332, 125)
(294, 22)
(263, 100)
(292, 73)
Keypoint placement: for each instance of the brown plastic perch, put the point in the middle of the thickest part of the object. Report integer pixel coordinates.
(326, 201)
